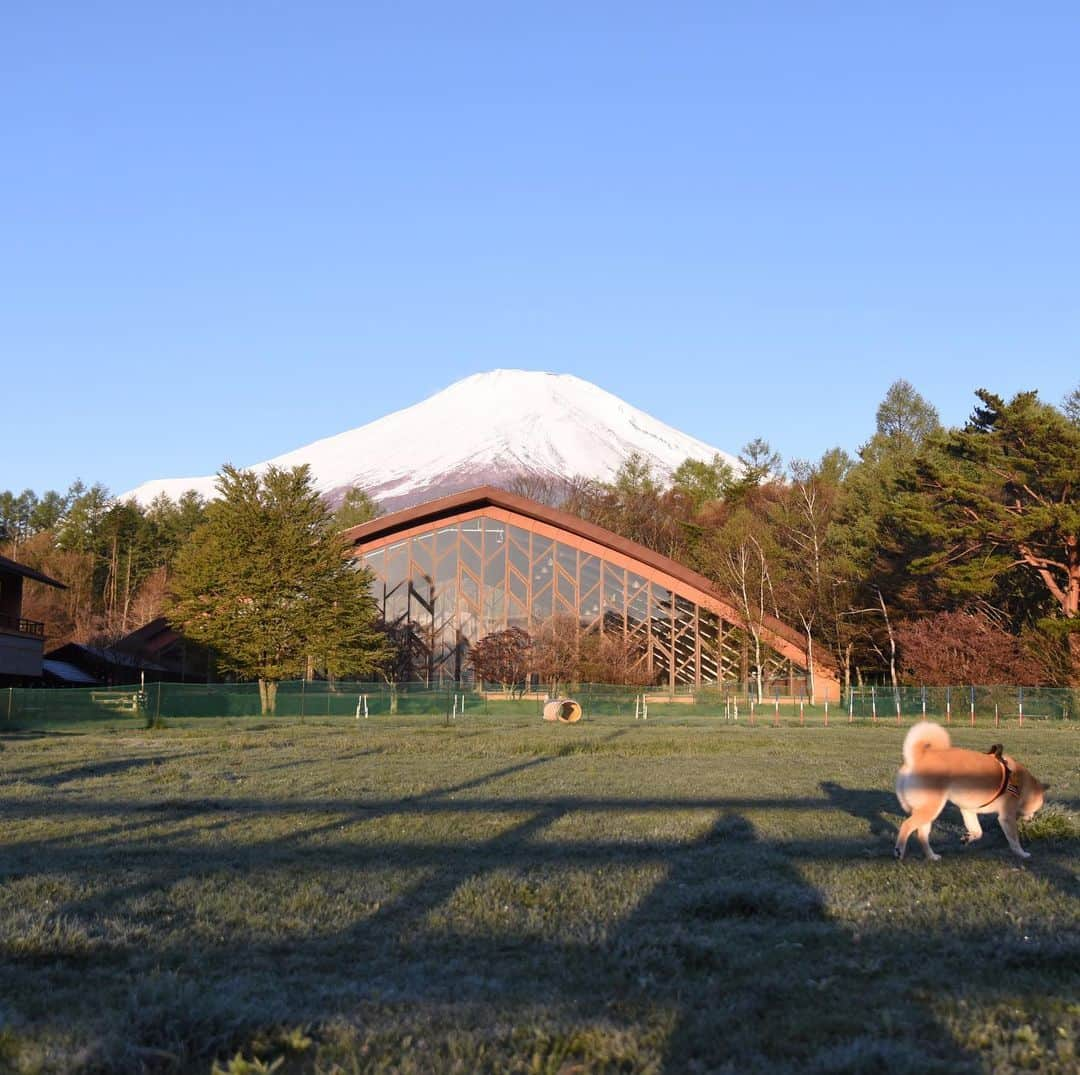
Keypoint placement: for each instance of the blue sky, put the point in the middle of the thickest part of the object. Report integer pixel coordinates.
(230, 229)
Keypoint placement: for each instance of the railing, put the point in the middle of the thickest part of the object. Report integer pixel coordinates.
(21, 626)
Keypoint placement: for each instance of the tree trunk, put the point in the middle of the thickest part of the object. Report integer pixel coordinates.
(1074, 655)
(892, 644)
(268, 697)
(393, 699)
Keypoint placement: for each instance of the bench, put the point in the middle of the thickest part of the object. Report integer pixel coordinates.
(121, 699)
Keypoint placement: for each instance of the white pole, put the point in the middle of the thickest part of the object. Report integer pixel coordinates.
(359, 704)
(365, 707)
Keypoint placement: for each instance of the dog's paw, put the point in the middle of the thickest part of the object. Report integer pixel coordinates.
(970, 837)
(933, 856)
(898, 853)
(1023, 854)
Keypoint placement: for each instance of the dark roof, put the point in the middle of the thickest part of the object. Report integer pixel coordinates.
(16, 568)
(108, 655)
(488, 496)
(66, 672)
(154, 635)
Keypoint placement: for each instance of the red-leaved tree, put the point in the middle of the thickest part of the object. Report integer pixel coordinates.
(958, 647)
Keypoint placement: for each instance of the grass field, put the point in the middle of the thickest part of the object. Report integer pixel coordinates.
(501, 895)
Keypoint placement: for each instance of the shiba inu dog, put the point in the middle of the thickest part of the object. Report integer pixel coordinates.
(935, 772)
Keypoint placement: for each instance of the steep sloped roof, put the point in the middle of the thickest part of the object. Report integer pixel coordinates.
(7, 564)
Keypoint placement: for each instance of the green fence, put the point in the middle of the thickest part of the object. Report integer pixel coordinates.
(126, 707)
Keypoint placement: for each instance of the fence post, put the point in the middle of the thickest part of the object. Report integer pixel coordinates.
(873, 704)
(924, 701)
(157, 707)
(948, 705)
(972, 688)
(1021, 689)
(303, 687)
(10, 697)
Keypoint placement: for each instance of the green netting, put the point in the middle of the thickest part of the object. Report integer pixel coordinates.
(132, 706)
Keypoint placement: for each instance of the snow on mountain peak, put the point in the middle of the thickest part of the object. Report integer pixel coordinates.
(484, 429)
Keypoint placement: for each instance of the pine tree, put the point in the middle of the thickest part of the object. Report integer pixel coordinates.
(266, 583)
(1002, 498)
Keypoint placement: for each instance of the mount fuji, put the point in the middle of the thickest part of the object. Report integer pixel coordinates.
(487, 429)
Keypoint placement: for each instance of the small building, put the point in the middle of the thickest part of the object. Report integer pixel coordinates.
(22, 641)
(105, 665)
(160, 644)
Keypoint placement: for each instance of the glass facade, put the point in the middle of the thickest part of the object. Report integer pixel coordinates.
(444, 589)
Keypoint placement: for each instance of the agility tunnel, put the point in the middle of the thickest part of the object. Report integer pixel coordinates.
(564, 710)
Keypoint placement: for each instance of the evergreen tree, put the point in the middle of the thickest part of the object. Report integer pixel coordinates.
(1002, 499)
(356, 507)
(265, 583)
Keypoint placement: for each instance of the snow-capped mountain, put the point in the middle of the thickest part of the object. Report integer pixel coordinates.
(484, 430)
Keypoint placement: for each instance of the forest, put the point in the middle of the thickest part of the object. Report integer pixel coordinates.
(934, 555)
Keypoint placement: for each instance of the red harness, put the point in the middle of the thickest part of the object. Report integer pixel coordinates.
(1008, 784)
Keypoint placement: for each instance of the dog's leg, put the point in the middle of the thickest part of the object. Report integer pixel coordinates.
(971, 823)
(921, 818)
(924, 839)
(1008, 826)
(902, 837)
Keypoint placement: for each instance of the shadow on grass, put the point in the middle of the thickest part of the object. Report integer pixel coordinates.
(868, 804)
(724, 959)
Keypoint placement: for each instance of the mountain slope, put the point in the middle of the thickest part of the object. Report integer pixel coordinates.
(485, 429)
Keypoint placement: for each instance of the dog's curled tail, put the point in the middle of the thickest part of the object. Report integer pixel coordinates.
(926, 735)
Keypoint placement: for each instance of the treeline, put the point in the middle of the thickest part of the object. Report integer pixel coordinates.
(115, 558)
(934, 555)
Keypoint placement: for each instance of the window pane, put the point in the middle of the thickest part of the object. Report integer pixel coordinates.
(422, 553)
(495, 568)
(543, 563)
(566, 555)
(397, 563)
(470, 556)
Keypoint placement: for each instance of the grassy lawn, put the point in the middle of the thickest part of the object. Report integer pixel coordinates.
(502, 895)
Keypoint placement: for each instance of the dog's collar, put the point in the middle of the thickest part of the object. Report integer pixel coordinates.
(1009, 784)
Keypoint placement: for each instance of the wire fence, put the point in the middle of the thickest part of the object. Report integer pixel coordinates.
(125, 707)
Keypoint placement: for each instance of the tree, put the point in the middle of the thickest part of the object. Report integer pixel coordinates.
(952, 648)
(699, 482)
(760, 466)
(1004, 497)
(1070, 406)
(744, 559)
(266, 584)
(502, 657)
(904, 418)
(356, 507)
(556, 652)
(802, 517)
(612, 657)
